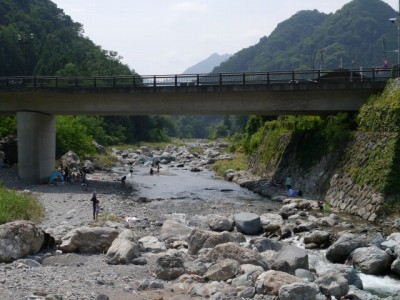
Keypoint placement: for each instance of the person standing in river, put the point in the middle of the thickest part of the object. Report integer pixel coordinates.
(95, 203)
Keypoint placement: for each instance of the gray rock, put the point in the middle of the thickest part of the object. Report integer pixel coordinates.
(220, 223)
(317, 237)
(333, 284)
(271, 281)
(263, 244)
(341, 249)
(18, 239)
(124, 248)
(371, 260)
(248, 223)
(223, 270)
(199, 239)
(152, 244)
(306, 275)
(289, 259)
(395, 267)
(298, 291)
(169, 267)
(88, 239)
(238, 253)
(172, 229)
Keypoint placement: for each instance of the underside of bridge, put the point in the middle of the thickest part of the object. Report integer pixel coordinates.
(36, 145)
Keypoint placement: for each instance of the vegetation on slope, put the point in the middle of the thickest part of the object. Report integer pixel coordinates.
(353, 36)
(15, 206)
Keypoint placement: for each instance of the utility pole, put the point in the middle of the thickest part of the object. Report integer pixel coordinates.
(397, 22)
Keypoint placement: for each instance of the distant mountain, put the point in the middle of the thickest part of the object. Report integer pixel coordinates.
(357, 35)
(208, 64)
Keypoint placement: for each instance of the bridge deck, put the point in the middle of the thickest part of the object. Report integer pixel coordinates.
(270, 93)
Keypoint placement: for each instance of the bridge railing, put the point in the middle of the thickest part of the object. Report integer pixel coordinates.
(210, 79)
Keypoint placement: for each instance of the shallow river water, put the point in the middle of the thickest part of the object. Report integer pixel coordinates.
(181, 183)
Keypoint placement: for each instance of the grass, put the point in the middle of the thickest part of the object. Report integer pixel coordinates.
(104, 217)
(16, 206)
(239, 162)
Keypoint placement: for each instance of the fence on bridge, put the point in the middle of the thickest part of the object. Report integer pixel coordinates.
(311, 77)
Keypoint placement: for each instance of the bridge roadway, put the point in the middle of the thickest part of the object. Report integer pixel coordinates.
(265, 94)
(36, 100)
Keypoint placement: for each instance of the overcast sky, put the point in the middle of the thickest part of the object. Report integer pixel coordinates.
(169, 36)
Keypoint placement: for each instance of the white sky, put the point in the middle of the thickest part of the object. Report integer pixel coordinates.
(157, 37)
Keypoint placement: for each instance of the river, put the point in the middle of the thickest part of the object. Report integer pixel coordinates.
(181, 183)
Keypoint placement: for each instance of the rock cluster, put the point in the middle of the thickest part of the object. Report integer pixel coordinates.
(239, 252)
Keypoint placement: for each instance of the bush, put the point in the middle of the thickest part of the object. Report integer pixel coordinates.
(15, 206)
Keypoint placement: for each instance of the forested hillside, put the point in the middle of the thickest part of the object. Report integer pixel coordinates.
(358, 35)
(60, 48)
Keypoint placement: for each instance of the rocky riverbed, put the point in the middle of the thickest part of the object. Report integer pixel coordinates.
(172, 219)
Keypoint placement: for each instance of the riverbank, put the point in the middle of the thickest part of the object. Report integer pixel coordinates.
(183, 191)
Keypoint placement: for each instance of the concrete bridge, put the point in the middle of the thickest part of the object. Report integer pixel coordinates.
(36, 100)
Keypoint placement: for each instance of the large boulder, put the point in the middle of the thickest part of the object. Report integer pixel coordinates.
(169, 267)
(220, 223)
(317, 237)
(348, 272)
(271, 281)
(263, 244)
(248, 223)
(298, 291)
(271, 222)
(238, 253)
(174, 230)
(341, 249)
(199, 239)
(223, 270)
(88, 240)
(333, 284)
(71, 160)
(19, 239)
(289, 259)
(124, 248)
(371, 260)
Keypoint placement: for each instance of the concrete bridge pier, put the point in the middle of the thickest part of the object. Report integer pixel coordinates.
(36, 145)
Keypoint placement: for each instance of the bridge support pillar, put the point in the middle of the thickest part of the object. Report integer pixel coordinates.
(36, 145)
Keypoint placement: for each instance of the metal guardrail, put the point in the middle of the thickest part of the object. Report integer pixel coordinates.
(210, 79)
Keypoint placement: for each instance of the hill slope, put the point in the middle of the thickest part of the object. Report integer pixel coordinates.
(351, 37)
(207, 65)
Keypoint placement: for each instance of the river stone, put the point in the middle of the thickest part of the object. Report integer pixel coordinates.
(88, 240)
(220, 223)
(341, 249)
(289, 259)
(18, 239)
(271, 281)
(306, 275)
(169, 267)
(172, 229)
(124, 248)
(317, 237)
(223, 270)
(238, 253)
(199, 239)
(298, 291)
(263, 244)
(248, 223)
(395, 267)
(371, 260)
(333, 284)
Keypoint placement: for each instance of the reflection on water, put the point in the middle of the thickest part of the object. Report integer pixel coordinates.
(180, 183)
